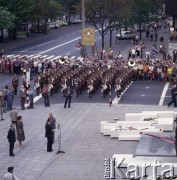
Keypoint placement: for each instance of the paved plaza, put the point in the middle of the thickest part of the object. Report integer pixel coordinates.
(85, 147)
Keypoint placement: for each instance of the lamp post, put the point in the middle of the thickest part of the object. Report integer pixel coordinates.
(83, 26)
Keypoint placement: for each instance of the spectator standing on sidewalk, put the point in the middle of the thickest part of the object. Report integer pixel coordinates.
(14, 115)
(20, 131)
(10, 174)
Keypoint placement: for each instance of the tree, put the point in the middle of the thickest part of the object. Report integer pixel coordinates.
(143, 11)
(6, 21)
(97, 14)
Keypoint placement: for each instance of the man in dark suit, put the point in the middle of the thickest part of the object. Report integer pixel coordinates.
(173, 96)
(69, 93)
(11, 138)
(49, 134)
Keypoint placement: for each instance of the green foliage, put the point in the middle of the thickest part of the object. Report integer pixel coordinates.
(20, 8)
(6, 19)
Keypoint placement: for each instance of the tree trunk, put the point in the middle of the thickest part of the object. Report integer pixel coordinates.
(102, 45)
(27, 32)
(38, 26)
(2, 36)
(110, 40)
(45, 27)
(15, 35)
(140, 31)
(102, 40)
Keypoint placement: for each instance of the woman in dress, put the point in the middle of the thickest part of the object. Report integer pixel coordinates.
(20, 130)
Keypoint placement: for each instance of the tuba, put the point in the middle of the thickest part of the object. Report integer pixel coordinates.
(62, 60)
(131, 62)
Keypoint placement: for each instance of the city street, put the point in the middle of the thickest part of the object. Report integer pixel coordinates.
(85, 148)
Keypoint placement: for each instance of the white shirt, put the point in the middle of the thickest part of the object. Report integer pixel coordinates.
(8, 176)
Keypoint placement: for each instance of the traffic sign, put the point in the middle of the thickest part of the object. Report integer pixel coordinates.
(88, 37)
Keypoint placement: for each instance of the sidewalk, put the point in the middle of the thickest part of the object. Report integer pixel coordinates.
(85, 147)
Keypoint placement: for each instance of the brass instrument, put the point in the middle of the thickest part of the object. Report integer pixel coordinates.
(131, 62)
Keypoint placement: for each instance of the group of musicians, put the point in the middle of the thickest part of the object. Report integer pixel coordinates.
(87, 74)
(80, 73)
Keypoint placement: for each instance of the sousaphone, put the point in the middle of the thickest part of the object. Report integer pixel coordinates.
(131, 62)
(61, 60)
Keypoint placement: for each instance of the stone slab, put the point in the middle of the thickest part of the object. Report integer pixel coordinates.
(151, 146)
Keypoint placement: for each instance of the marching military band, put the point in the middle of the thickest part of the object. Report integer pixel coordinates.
(86, 73)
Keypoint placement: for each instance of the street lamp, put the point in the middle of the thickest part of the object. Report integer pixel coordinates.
(83, 26)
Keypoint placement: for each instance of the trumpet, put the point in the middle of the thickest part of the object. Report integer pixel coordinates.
(131, 62)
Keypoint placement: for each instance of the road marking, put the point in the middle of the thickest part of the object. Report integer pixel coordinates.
(50, 57)
(36, 98)
(38, 46)
(147, 87)
(142, 95)
(55, 47)
(36, 56)
(116, 100)
(162, 98)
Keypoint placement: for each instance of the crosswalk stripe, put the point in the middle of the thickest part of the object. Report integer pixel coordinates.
(73, 57)
(16, 56)
(45, 56)
(37, 56)
(30, 56)
(50, 57)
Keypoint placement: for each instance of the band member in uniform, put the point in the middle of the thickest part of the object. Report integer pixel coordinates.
(15, 83)
(69, 93)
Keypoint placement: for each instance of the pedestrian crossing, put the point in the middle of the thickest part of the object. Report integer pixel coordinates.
(35, 56)
(172, 47)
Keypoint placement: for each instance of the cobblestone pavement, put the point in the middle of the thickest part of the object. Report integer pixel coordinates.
(85, 147)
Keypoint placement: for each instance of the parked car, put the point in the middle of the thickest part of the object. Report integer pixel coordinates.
(54, 25)
(75, 21)
(126, 35)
